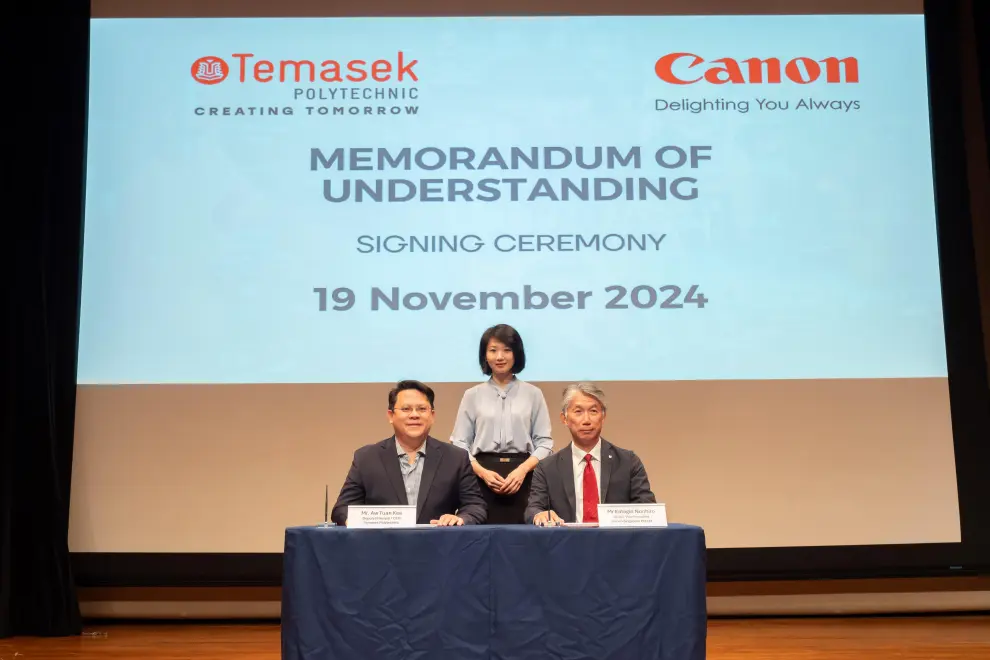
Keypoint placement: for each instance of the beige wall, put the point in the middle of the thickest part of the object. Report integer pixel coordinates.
(225, 468)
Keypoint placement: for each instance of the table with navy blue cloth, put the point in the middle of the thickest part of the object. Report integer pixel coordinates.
(511, 592)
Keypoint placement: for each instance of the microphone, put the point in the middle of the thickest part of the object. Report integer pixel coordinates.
(326, 507)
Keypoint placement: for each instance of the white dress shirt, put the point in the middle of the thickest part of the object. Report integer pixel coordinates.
(577, 456)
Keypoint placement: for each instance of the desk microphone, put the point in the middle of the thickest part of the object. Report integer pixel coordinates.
(326, 507)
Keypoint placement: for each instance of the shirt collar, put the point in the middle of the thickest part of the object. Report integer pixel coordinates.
(399, 451)
(596, 451)
(512, 384)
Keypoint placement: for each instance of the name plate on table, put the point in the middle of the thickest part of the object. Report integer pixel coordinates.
(381, 517)
(632, 515)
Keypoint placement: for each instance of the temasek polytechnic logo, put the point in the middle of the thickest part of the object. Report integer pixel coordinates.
(384, 87)
(210, 70)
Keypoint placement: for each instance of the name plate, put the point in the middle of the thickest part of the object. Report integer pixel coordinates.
(632, 515)
(381, 517)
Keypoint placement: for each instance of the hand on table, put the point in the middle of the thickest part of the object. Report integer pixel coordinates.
(448, 520)
(547, 519)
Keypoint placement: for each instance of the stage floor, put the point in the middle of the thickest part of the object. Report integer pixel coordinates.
(914, 638)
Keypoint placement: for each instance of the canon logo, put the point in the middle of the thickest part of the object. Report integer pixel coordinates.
(682, 69)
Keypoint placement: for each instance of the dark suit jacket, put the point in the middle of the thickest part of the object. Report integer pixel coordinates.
(449, 485)
(623, 480)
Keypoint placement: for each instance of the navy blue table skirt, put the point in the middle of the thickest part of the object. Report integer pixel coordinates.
(495, 593)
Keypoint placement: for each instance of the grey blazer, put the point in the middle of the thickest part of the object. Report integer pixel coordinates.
(623, 480)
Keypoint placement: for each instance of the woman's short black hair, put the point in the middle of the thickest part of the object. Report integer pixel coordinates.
(508, 336)
(403, 385)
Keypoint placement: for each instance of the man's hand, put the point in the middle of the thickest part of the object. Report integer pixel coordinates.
(512, 482)
(547, 519)
(448, 520)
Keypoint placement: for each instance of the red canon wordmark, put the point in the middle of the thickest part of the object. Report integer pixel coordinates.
(801, 70)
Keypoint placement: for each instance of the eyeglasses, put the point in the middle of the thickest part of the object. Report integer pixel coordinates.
(408, 410)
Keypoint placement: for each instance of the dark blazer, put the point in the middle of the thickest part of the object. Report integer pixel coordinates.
(623, 480)
(449, 485)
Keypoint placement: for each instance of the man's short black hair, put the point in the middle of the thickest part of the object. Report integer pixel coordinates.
(403, 385)
(508, 336)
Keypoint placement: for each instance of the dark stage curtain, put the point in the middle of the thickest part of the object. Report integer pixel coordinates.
(44, 80)
(980, 17)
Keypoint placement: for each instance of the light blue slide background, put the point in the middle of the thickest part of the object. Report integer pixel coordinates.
(813, 236)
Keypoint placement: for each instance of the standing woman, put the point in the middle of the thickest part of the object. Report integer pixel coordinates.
(504, 425)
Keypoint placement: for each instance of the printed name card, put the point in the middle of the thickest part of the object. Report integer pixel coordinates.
(381, 517)
(632, 515)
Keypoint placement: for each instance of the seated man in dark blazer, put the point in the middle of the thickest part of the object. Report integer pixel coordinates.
(567, 486)
(413, 468)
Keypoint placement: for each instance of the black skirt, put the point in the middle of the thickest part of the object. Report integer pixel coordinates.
(505, 509)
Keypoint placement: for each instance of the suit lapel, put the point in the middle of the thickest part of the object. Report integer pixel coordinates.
(607, 464)
(432, 463)
(390, 461)
(565, 467)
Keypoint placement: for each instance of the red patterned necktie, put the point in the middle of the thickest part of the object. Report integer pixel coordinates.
(589, 492)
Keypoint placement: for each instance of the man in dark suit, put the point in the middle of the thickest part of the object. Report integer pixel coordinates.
(412, 467)
(568, 486)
